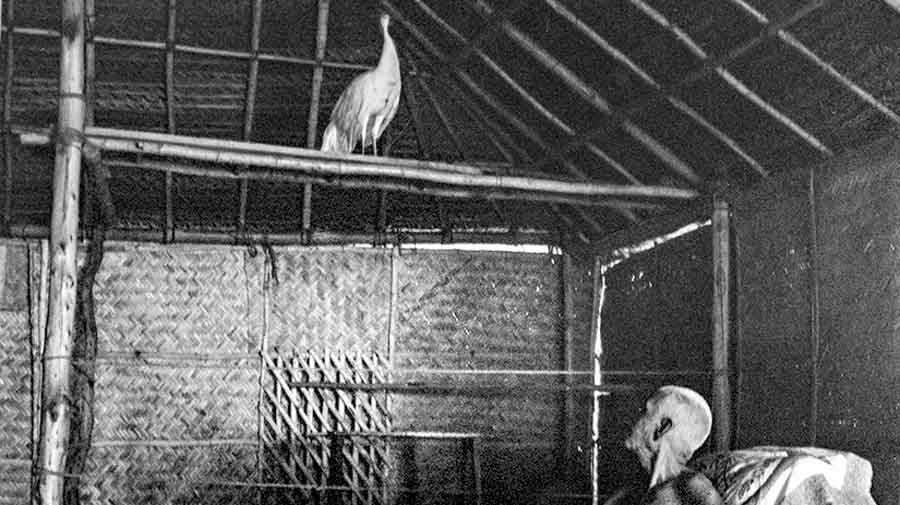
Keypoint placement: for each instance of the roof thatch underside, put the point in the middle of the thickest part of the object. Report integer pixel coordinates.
(700, 94)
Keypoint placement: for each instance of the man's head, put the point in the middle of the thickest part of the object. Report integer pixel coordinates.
(675, 424)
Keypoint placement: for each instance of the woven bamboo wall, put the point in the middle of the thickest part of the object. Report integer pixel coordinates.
(15, 375)
(480, 311)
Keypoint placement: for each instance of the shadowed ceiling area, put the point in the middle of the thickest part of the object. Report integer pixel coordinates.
(705, 96)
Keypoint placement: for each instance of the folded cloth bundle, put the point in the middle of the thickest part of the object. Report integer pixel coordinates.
(788, 476)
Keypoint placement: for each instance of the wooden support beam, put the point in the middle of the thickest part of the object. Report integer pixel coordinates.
(709, 66)
(250, 103)
(100, 179)
(569, 223)
(412, 105)
(281, 159)
(444, 119)
(56, 394)
(567, 274)
(815, 341)
(487, 29)
(657, 88)
(7, 116)
(593, 97)
(172, 13)
(522, 92)
(721, 407)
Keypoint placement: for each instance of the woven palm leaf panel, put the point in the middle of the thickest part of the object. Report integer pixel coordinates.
(656, 317)
(461, 310)
(15, 375)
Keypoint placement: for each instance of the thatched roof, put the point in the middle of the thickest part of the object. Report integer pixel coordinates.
(703, 95)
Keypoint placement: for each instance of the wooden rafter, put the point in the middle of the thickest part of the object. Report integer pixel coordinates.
(470, 83)
(412, 105)
(99, 186)
(512, 83)
(487, 29)
(593, 97)
(443, 118)
(730, 78)
(708, 67)
(636, 69)
(791, 41)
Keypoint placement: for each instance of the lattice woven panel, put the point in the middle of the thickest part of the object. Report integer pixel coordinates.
(299, 423)
(338, 300)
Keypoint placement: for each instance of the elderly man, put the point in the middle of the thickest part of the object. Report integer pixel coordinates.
(675, 424)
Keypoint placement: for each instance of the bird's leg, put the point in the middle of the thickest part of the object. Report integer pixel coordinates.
(374, 144)
(363, 145)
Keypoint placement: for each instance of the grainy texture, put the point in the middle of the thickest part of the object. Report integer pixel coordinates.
(773, 318)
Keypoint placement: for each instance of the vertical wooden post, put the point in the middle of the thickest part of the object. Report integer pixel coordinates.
(721, 270)
(7, 116)
(599, 295)
(568, 293)
(312, 124)
(250, 106)
(63, 274)
(169, 225)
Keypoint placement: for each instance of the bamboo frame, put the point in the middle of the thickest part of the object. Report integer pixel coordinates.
(442, 117)
(444, 388)
(567, 273)
(291, 160)
(412, 104)
(531, 100)
(814, 330)
(721, 252)
(63, 272)
(593, 97)
(789, 40)
(488, 29)
(709, 66)
(679, 104)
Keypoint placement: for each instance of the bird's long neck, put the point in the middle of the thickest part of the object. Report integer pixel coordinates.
(388, 61)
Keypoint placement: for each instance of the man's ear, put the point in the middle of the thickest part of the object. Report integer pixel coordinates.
(665, 424)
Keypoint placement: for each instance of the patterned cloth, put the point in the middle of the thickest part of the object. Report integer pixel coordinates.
(788, 476)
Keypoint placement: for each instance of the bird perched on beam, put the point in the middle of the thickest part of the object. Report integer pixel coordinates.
(369, 103)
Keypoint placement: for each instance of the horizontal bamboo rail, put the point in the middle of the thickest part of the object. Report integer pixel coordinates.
(293, 159)
(203, 51)
(487, 389)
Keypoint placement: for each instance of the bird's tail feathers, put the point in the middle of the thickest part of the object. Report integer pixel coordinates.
(335, 141)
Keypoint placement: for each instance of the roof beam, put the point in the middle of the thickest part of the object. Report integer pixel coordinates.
(709, 66)
(486, 97)
(250, 101)
(593, 97)
(636, 69)
(539, 107)
(169, 224)
(312, 124)
(789, 40)
(487, 29)
(282, 159)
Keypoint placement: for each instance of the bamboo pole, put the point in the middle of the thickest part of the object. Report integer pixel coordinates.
(63, 273)
(710, 65)
(487, 30)
(7, 115)
(172, 14)
(531, 100)
(493, 131)
(250, 103)
(567, 272)
(290, 159)
(657, 88)
(443, 118)
(721, 303)
(593, 97)
(197, 50)
(312, 127)
(412, 104)
(571, 224)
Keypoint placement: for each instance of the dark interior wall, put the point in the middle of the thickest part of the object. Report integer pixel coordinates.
(855, 261)
(858, 204)
(771, 229)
